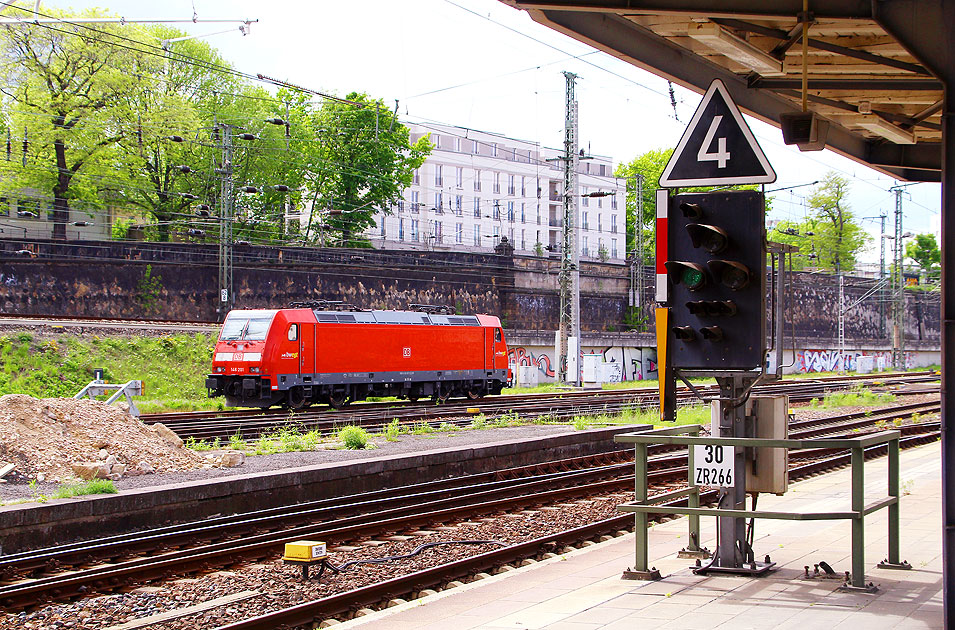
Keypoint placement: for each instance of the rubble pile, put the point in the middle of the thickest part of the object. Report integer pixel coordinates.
(59, 439)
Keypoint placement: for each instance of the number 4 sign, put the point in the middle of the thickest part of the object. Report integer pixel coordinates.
(713, 465)
(717, 147)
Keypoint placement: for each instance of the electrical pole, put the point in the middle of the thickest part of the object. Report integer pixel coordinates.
(637, 276)
(898, 300)
(570, 257)
(226, 297)
(882, 217)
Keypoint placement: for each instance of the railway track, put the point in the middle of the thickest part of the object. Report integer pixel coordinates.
(375, 416)
(71, 571)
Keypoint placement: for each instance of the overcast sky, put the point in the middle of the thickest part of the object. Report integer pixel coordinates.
(484, 65)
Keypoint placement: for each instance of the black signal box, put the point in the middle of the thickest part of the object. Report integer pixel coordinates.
(716, 276)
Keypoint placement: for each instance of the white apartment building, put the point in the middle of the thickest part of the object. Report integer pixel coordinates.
(477, 188)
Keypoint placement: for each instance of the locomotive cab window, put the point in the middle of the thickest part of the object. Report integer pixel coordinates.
(293, 332)
(497, 334)
(250, 325)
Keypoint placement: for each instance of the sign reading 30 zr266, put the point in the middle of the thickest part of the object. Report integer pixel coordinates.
(713, 465)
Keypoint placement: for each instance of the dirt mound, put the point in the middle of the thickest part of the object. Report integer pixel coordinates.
(49, 436)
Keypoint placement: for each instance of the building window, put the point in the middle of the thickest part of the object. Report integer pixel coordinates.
(523, 242)
(457, 144)
(383, 226)
(583, 220)
(523, 216)
(497, 234)
(493, 149)
(477, 235)
(510, 235)
(414, 230)
(600, 202)
(477, 207)
(474, 147)
(510, 185)
(523, 186)
(437, 232)
(613, 248)
(477, 180)
(439, 203)
(401, 206)
(458, 204)
(613, 223)
(438, 175)
(458, 232)
(459, 177)
(583, 246)
(497, 210)
(437, 141)
(497, 183)
(416, 177)
(401, 229)
(414, 202)
(599, 219)
(510, 211)
(613, 201)
(584, 199)
(538, 215)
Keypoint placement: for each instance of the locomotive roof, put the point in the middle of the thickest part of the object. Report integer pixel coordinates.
(395, 317)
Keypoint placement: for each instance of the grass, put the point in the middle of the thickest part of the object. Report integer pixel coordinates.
(354, 438)
(855, 397)
(95, 486)
(173, 368)
(697, 414)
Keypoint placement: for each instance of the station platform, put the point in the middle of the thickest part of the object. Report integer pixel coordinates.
(583, 589)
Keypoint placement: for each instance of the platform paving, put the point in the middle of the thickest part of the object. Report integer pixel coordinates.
(583, 590)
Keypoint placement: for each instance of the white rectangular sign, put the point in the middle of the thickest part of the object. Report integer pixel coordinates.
(713, 465)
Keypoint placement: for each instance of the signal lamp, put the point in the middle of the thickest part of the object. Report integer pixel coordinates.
(691, 275)
(684, 333)
(712, 333)
(691, 211)
(733, 275)
(709, 237)
(712, 308)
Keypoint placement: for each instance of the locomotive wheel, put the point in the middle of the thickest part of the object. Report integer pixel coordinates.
(413, 397)
(441, 396)
(338, 399)
(296, 398)
(474, 394)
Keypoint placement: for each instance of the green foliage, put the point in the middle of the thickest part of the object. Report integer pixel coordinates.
(202, 445)
(926, 254)
(448, 427)
(830, 234)
(392, 430)
(856, 397)
(148, 290)
(580, 423)
(479, 422)
(236, 442)
(353, 437)
(95, 486)
(173, 368)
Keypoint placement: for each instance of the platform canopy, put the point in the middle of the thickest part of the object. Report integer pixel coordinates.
(875, 67)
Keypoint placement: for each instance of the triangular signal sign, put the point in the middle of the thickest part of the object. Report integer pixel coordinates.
(717, 148)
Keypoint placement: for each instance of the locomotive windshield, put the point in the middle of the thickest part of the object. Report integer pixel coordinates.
(246, 325)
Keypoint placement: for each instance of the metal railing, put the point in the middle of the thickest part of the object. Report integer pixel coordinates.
(644, 505)
(127, 390)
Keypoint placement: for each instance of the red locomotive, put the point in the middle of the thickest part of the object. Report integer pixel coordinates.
(326, 353)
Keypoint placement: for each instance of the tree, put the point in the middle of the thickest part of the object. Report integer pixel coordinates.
(67, 85)
(926, 254)
(649, 166)
(829, 238)
(362, 162)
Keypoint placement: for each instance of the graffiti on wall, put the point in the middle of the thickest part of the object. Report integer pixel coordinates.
(835, 361)
(636, 364)
(525, 358)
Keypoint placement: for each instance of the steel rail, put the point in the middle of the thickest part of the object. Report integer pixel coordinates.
(308, 613)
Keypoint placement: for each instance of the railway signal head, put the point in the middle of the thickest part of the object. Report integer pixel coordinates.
(716, 273)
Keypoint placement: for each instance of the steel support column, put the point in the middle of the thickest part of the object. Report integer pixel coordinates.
(948, 352)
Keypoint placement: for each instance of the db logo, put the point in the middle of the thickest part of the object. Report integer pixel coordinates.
(237, 356)
(406, 352)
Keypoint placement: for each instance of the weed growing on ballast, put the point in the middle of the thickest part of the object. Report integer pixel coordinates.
(354, 438)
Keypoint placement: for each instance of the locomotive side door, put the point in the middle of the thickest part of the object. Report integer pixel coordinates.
(497, 349)
(307, 349)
